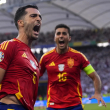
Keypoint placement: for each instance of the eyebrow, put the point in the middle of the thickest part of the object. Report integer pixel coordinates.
(37, 15)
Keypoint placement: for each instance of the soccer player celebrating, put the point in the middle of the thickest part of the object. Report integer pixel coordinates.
(19, 69)
(64, 65)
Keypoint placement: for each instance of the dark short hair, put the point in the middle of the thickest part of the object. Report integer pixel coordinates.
(21, 12)
(63, 26)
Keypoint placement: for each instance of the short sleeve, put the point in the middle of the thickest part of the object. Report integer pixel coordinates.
(6, 54)
(84, 61)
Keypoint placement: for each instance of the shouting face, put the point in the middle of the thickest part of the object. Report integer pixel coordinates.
(32, 23)
(62, 38)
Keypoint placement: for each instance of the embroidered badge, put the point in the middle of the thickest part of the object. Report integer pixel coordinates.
(33, 64)
(70, 62)
(1, 56)
(61, 67)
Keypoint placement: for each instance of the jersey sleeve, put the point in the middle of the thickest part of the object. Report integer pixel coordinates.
(84, 61)
(42, 65)
(6, 54)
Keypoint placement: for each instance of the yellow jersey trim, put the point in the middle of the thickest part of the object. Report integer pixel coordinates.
(75, 51)
(79, 93)
(48, 100)
(80, 96)
(18, 95)
(0, 86)
(4, 45)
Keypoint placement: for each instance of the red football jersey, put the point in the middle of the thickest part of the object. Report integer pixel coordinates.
(22, 72)
(64, 87)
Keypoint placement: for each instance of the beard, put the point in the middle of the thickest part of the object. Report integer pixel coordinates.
(28, 31)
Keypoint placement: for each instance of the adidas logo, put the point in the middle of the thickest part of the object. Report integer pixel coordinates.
(52, 64)
(24, 55)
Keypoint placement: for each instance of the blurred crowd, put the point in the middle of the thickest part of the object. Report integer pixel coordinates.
(99, 57)
(98, 35)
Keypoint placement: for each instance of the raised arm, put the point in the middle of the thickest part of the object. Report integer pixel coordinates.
(97, 85)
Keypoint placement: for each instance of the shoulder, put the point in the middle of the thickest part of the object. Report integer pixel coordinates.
(80, 54)
(47, 54)
(9, 44)
(74, 51)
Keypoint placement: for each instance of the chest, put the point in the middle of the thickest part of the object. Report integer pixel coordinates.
(24, 60)
(63, 64)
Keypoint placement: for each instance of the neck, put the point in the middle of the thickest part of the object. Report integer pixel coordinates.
(62, 51)
(23, 38)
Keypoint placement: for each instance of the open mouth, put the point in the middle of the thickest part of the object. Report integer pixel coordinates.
(61, 42)
(36, 28)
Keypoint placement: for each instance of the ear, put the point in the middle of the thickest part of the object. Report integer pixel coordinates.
(20, 23)
(69, 38)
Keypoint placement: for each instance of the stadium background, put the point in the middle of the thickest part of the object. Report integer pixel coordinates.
(89, 21)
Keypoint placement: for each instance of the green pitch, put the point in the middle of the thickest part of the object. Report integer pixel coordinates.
(96, 107)
(89, 107)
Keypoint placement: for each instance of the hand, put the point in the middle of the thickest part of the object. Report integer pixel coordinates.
(99, 99)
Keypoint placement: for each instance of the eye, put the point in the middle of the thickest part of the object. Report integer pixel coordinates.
(33, 15)
(58, 33)
(64, 33)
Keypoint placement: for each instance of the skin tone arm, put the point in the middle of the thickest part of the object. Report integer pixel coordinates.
(2, 73)
(97, 85)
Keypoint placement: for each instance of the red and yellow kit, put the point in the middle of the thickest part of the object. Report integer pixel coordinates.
(22, 72)
(64, 87)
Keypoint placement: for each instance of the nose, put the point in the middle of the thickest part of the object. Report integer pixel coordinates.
(61, 36)
(38, 18)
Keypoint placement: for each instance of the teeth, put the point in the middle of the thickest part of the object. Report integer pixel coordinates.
(61, 41)
(38, 25)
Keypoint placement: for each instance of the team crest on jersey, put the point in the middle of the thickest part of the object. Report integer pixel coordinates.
(61, 67)
(70, 62)
(33, 64)
(1, 56)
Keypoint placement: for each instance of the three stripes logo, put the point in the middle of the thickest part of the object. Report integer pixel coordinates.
(24, 55)
(4, 45)
(52, 64)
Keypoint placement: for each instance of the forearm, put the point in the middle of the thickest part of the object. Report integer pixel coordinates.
(97, 84)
